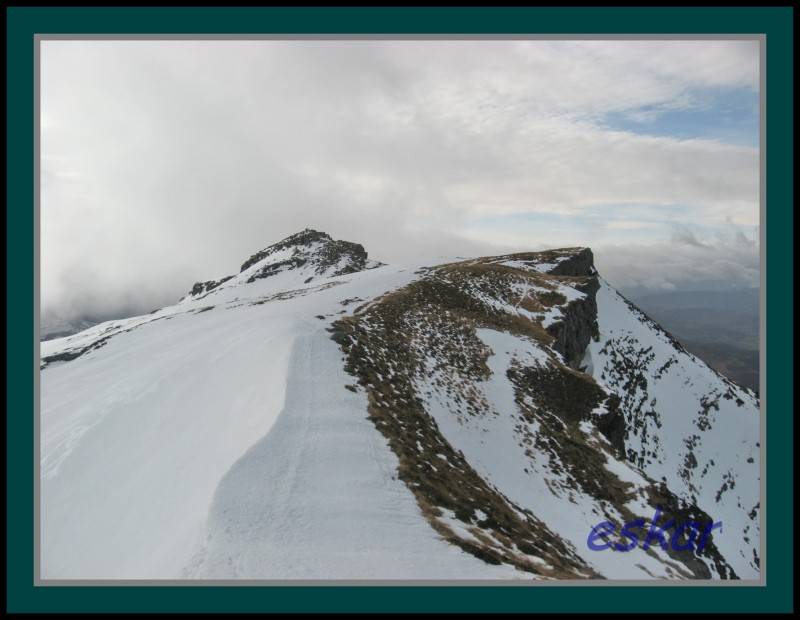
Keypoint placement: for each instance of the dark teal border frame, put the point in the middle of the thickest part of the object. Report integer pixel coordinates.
(23, 23)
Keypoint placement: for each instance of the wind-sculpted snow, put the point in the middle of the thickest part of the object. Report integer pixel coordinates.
(136, 436)
(145, 437)
(319, 498)
(322, 416)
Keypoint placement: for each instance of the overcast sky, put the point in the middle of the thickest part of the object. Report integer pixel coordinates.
(165, 163)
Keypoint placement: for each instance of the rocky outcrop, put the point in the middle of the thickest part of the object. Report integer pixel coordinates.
(311, 248)
(298, 240)
(580, 263)
(349, 257)
(201, 288)
(612, 424)
(579, 325)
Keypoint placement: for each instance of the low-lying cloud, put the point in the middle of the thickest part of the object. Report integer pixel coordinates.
(726, 261)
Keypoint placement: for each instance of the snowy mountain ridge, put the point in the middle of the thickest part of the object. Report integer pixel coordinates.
(320, 415)
(308, 253)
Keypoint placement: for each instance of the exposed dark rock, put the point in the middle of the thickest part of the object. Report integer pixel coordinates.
(302, 239)
(673, 509)
(578, 326)
(201, 288)
(612, 424)
(311, 248)
(275, 268)
(579, 264)
(331, 253)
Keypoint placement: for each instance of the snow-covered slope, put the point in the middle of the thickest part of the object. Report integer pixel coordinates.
(318, 496)
(322, 416)
(685, 423)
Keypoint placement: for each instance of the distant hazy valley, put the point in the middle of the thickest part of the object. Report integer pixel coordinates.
(720, 327)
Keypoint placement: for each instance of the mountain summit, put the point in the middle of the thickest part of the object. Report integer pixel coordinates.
(308, 254)
(319, 415)
(311, 247)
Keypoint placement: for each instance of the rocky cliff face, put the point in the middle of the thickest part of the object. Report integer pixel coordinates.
(579, 323)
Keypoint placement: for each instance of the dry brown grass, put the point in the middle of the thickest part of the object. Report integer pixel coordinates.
(436, 317)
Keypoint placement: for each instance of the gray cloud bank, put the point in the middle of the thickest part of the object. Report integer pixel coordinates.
(164, 163)
(725, 262)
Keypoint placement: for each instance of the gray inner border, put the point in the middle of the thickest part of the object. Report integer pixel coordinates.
(38, 38)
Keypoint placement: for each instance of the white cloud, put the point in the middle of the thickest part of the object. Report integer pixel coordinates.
(169, 162)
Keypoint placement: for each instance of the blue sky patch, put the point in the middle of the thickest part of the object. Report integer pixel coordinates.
(727, 115)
